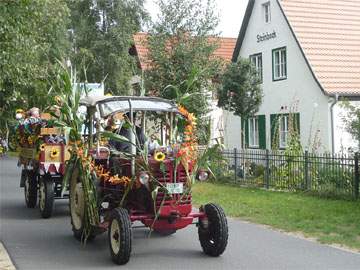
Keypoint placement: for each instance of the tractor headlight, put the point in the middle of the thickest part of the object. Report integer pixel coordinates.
(144, 178)
(203, 176)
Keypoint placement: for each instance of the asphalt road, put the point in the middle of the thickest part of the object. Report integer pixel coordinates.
(35, 243)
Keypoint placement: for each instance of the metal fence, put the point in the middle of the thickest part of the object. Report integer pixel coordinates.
(330, 174)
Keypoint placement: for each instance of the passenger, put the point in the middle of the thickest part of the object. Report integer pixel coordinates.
(153, 144)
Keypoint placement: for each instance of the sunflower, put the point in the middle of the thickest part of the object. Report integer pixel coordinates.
(54, 153)
(42, 147)
(159, 156)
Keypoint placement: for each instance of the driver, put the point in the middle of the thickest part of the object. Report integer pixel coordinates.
(125, 130)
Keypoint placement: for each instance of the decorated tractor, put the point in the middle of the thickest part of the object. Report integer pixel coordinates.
(42, 156)
(136, 161)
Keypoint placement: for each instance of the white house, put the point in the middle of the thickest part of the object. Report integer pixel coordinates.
(307, 54)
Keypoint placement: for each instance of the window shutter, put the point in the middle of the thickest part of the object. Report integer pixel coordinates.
(262, 131)
(274, 130)
(245, 125)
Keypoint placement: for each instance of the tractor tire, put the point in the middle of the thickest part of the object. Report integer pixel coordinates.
(120, 236)
(46, 196)
(30, 189)
(77, 207)
(23, 177)
(213, 234)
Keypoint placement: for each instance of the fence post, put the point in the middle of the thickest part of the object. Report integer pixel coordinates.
(267, 169)
(306, 171)
(235, 164)
(356, 180)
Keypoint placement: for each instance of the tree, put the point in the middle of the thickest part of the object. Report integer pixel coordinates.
(180, 48)
(102, 32)
(240, 90)
(351, 119)
(33, 35)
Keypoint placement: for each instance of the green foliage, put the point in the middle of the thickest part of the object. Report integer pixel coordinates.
(69, 119)
(352, 119)
(102, 32)
(33, 35)
(332, 179)
(210, 159)
(180, 52)
(240, 90)
(71, 122)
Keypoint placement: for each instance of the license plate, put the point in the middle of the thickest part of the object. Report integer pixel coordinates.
(175, 188)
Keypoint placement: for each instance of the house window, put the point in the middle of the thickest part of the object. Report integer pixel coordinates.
(279, 64)
(267, 12)
(256, 60)
(253, 132)
(283, 131)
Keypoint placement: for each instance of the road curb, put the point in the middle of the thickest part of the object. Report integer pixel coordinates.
(5, 261)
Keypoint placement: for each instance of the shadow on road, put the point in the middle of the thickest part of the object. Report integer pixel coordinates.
(15, 210)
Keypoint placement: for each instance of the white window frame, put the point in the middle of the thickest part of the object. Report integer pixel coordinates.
(253, 124)
(283, 131)
(266, 7)
(256, 60)
(279, 64)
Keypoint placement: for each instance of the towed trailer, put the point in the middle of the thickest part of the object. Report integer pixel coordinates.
(42, 171)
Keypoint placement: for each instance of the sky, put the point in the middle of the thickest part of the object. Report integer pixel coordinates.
(231, 13)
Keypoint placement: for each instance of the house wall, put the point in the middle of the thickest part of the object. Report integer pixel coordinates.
(343, 141)
(298, 93)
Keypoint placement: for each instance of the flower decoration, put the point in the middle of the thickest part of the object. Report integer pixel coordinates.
(116, 180)
(42, 147)
(104, 176)
(159, 156)
(188, 147)
(30, 140)
(54, 153)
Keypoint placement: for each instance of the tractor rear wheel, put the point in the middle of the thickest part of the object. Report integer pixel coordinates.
(213, 230)
(30, 188)
(46, 196)
(120, 236)
(77, 207)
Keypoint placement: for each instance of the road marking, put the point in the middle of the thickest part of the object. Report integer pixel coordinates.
(5, 261)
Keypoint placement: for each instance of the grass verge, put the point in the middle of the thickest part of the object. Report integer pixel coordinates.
(328, 220)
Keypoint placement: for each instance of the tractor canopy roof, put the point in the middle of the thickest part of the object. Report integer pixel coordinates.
(111, 104)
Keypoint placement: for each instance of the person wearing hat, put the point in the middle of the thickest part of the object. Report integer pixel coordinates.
(20, 114)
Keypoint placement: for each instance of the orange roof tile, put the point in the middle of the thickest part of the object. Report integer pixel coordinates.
(225, 50)
(329, 34)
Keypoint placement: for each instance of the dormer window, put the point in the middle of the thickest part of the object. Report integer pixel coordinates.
(267, 12)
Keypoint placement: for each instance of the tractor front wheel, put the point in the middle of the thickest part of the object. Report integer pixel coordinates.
(213, 230)
(30, 188)
(46, 196)
(120, 236)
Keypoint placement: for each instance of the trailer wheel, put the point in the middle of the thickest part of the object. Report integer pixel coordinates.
(77, 207)
(46, 196)
(120, 236)
(213, 230)
(30, 188)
